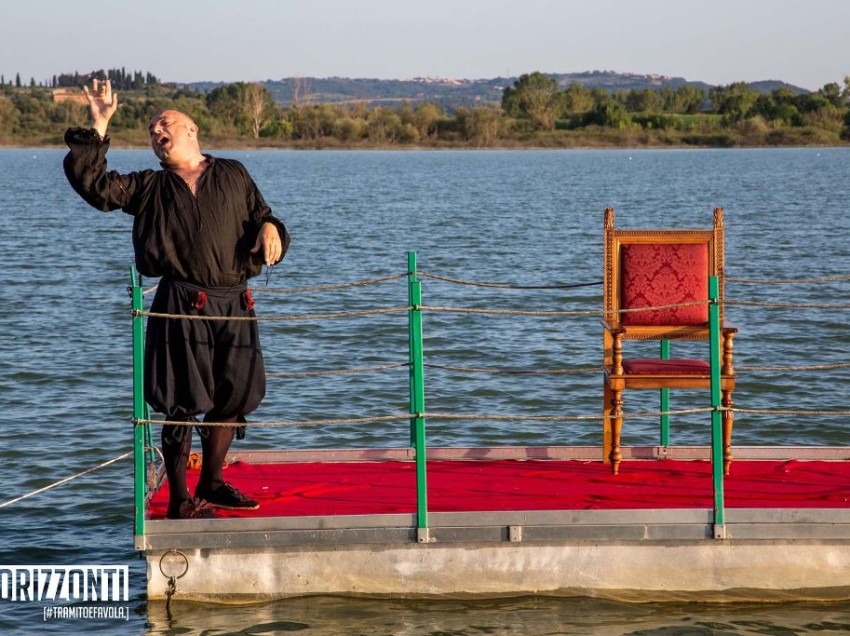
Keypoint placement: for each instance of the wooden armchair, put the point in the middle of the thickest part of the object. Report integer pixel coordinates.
(658, 268)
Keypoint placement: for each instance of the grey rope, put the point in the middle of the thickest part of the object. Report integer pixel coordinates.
(462, 281)
(434, 308)
(752, 303)
(560, 418)
(506, 312)
(809, 367)
(787, 412)
(340, 314)
(436, 416)
(66, 479)
(447, 367)
(310, 374)
(450, 367)
(578, 312)
(789, 281)
(351, 420)
(361, 283)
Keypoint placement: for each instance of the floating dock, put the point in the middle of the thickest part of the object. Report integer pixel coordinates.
(515, 521)
(416, 521)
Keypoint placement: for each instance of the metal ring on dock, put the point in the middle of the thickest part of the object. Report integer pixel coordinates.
(172, 575)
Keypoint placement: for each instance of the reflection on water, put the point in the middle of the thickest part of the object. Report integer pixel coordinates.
(529, 616)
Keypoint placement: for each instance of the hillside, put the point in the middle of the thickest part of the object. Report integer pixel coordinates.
(451, 93)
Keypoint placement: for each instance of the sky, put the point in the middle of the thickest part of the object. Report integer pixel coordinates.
(803, 42)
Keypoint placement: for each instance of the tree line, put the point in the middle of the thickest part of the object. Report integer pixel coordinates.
(120, 78)
(534, 111)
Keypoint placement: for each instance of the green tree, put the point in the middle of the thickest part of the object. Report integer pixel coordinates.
(611, 113)
(349, 128)
(314, 121)
(227, 105)
(482, 126)
(426, 119)
(384, 126)
(735, 102)
(832, 93)
(644, 100)
(536, 97)
(686, 99)
(779, 107)
(9, 116)
(577, 100)
(845, 131)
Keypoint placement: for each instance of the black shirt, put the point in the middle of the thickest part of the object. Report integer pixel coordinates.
(203, 238)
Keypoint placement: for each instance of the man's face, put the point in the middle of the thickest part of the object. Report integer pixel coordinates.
(172, 135)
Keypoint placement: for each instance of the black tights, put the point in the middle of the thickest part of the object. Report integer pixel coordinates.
(176, 445)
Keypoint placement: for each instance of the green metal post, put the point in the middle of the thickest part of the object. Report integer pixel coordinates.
(417, 394)
(716, 416)
(664, 420)
(139, 407)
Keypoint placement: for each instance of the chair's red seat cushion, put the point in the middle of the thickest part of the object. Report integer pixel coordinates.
(680, 366)
(656, 274)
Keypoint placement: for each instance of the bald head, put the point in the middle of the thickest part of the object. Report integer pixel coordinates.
(174, 138)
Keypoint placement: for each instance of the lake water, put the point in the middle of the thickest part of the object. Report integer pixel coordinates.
(531, 218)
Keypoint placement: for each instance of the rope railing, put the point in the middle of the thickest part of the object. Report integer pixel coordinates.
(313, 374)
(490, 417)
(486, 311)
(483, 311)
(757, 303)
(501, 417)
(507, 312)
(431, 365)
(803, 367)
(432, 415)
(437, 309)
(795, 412)
(65, 480)
(461, 281)
(576, 371)
(417, 413)
(403, 308)
(788, 281)
(282, 423)
(315, 288)
(358, 313)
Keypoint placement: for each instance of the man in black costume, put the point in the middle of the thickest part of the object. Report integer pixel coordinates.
(200, 224)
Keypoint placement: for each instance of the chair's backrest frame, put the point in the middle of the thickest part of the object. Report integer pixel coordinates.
(615, 239)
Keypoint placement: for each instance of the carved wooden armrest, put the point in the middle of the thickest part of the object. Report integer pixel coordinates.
(614, 331)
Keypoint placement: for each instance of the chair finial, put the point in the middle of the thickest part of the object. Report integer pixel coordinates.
(608, 220)
(718, 217)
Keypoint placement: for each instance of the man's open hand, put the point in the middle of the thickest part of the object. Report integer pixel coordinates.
(102, 103)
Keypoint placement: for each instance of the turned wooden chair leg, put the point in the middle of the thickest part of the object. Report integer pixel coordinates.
(616, 428)
(607, 423)
(728, 420)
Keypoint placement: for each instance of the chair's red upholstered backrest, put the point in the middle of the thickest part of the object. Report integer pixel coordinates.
(654, 274)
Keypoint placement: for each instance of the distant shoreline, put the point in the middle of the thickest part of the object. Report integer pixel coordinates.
(213, 146)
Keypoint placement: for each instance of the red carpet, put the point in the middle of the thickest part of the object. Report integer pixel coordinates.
(346, 488)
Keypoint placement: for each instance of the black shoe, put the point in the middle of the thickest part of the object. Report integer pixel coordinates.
(193, 509)
(229, 498)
